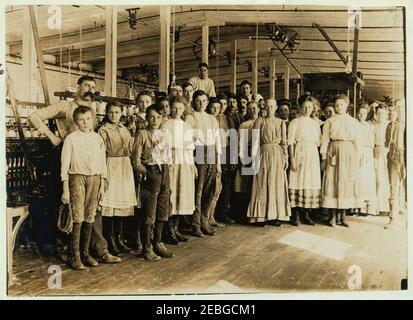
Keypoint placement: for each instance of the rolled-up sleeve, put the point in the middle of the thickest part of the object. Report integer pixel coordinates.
(136, 154)
(54, 111)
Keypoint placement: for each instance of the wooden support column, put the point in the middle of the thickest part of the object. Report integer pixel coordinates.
(287, 82)
(355, 88)
(205, 43)
(29, 85)
(355, 52)
(354, 68)
(164, 55)
(272, 79)
(111, 52)
(234, 66)
(40, 61)
(254, 71)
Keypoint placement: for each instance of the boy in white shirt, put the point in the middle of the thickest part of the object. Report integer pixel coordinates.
(83, 174)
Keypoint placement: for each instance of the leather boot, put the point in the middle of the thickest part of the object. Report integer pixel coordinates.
(119, 235)
(196, 231)
(158, 246)
(86, 233)
(108, 233)
(160, 249)
(307, 218)
(74, 243)
(138, 243)
(138, 248)
(171, 237)
(332, 221)
(275, 223)
(227, 219)
(148, 253)
(344, 218)
(108, 258)
(215, 224)
(179, 236)
(208, 231)
(338, 216)
(295, 217)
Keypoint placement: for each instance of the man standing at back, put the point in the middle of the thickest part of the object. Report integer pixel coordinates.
(202, 82)
(246, 90)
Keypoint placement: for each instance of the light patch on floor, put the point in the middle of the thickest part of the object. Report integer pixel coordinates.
(377, 219)
(224, 287)
(323, 246)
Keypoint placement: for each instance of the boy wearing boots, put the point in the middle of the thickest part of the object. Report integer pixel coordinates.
(83, 173)
(207, 161)
(151, 156)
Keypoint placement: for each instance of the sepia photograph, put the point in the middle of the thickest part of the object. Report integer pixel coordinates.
(194, 149)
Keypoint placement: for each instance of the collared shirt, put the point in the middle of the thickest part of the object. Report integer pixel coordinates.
(117, 138)
(151, 147)
(255, 97)
(62, 112)
(206, 85)
(304, 129)
(83, 153)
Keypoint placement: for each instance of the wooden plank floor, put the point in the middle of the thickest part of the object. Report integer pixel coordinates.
(241, 259)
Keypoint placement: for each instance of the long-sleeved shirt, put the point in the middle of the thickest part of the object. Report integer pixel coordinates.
(206, 85)
(366, 134)
(62, 112)
(140, 122)
(395, 135)
(341, 127)
(117, 138)
(379, 133)
(206, 129)
(272, 132)
(245, 138)
(83, 153)
(224, 126)
(395, 143)
(151, 147)
(181, 140)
